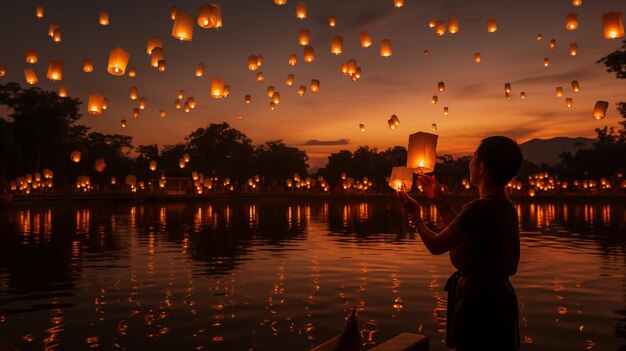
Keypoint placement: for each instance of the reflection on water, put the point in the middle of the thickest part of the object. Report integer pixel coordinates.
(267, 274)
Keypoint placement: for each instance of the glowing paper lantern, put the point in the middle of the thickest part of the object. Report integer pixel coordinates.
(385, 47)
(272, 106)
(290, 78)
(217, 88)
(270, 91)
(259, 60)
(303, 37)
(177, 104)
(280, 2)
(301, 90)
(422, 152)
(56, 36)
(156, 55)
(401, 178)
(183, 26)
(366, 40)
(276, 98)
(252, 63)
(39, 11)
(162, 113)
(434, 126)
(134, 93)
(3, 72)
(31, 56)
(259, 76)
(552, 44)
(95, 104)
(507, 87)
(391, 124)
(104, 18)
(446, 110)
(142, 103)
(546, 62)
(453, 25)
(118, 60)
(248, 99)
(613, 25)
(162, 65)
(477, 58)
(63, 91)
(599, 110)
(130, 180)
(210, 16)
(153, 165)
(441, 86)
(123, 123)
(337, 45)
(309, 54)
(434, 99)
(55, 70)
(191, 101)
(440, 28)
(301, 10)
(200, 70)
(571, 21)
(575, 86)
(173, 12)
(226, 90)
(398, 3)
(332, 21)
(522, 95)
(395, 120)
(51, 28)
(432, 23)
(492, 27)
(292, 60)
(362, 127)
(100, 165)
(135, 113)
(539, 36)
(105, 104)
(573, 49)
(559, 92)
(75, 156)
(181, 94)
(153, 42)
(569, 102)
(577, 2)
(315, 85)
(87, 65)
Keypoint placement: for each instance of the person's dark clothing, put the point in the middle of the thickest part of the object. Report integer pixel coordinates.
(483, 312)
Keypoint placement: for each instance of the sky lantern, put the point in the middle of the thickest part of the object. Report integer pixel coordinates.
(303, 37)
(136, 112)
(391, 124)
(395, 120)
(599, 110)
(539, 37)
(552, 44)
(432, 23)
(100, 165)
(183, 26)
(385, 48)
(571, 21)
(173, 12)
(315, 85)
(51, 28)
(272, 105)
(276, 97)
(336, 46)
(142, 103)
(575, 86)
(123, 123)
(507, 87)
(177, 104)
(259, 76)
(290, 78)
(39, 11)
(191, 101)
(434, 126)
(75, 156)
(226, 90)
(56, 36)
(104, 18)
(156, 55)
(366, 40)
(3, 72)
(217, 88)
(309, 54)
(181, 94)
(259, 60)
(293, 59)
(492, 27)
(577, 2)
(434, 99)
(153, 42)
(440, 28)
(362, 127)
(401, 179)
(398, 3)
(63, 91)
(87, 65)
(95, 104)
(133, 93)
(332, 21)
(573, 49)
(507, 96)
(181, 163)
(162, 65)
(280, 2)
(301, 10)
(546, 61)
(55, 70)
(105, 104)
(441, 86)
(132, 72)
(153, 165)
(453, 25)
(446, 110)
(247, 99)
(162, 113)
(200, 70)
(522, 95)
(252, 63)
(559, 92)
(270, 91)
(421, 156)
(118, 60)
(31, 56)
(477, 57)
(613, 25)
(301, 90)
(569, 102)
(210, 16)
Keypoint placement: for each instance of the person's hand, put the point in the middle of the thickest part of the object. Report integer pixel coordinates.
(432, 188)
(409, 204)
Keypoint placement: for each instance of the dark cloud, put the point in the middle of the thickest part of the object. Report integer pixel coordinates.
(315, 142)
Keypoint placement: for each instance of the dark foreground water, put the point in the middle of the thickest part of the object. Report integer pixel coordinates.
(281, 274)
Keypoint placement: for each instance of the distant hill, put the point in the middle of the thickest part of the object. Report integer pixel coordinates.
(548, 150)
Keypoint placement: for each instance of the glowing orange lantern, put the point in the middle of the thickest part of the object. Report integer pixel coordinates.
(31, 56)
(432, 23)
(337, 45)
(559, 92)
(401, 178)
(248, 99)
(477, 58)
(183, 26)
(441, 86)
(118, 60)
(156, 55)
(290, 78)
(440, 28)
(315, 85)
(366, 40)
(39, 11)
(200, 70)
(75, 156)
(252, 63)
(63, 91)
(173, 12)
(95, 104)
(552, 44)
(434, 99)
(613, 25)
(539, 37)
(51, 28)
(181, 94)
(162, 65)
(309, 54)
(259, 76)
(217, 88)
(569, 102)
(546, 62)
(292, 60)
(453, 25)
(301, 10)
(153, 42)
(599, 110)
(398, 3)
(259, 60)
(162, 113)
(385, 47)
(56, 36)
(280, 2)
(575, 86)
(577, 2)
(31, 76)
(492, 27)
(133, 93)
(507, 87)
(123, 123)
(446, 110)
(135, 112)
(210, 16)
(522, 95)
(104, 18)
(421, 156)
(332, 21)
(362, 127)
(301, 90)
(571, 21)
(105, 104)
(55, 70)
(573, 49)
(303, 37)
(142, 103)
(153, 165)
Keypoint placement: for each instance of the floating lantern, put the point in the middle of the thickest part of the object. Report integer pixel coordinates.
(118, 60)
(177, 104)
(142, 103)
(573, 49)
(362, 127)
(123, 123)
(217, 88)
(63, 91)
(477, 58)
(401, 178)
(252, 63)
(276, 98)
(575, 86)
(301, 10)
(55, 70)
(391, 124)
(51, 28)
(571, 21)
(162, 113)
(599, 110)
(162, 65)
(95, 104)
(453, 25)
(577, 2)
(200, 70)
(181, 163)
(183, 26)
(156, 55)
(552, 44)
(559, 92)
(336, 47)
(366, 40)
(432, 23)
(445, 110)
(153, 165)
(280, 2)
(613, 25)
(210, 16)
(303, 37)
(132, 72)
(39, 11)
(56, 36)
(31, 56)
(104, 18)
(539, 37)
(186, 158)
(434, 99)
(440, 28)
(332, 21)
(395, 120)
(569, 102)
(272, 106)
(270, 91)
(30, 76)
(153, 42)
(130, 180)
(292, 60)
(422, 152)
(426, 52)
(290, 78)
(75, 156)
(133, 93)
(181, 94)
(173, 12)
(135, 112)
(315, 85)
(507, 96)
(507, 87)
(105, 104)
(226, 90)
(441, 86)
(100, 165)
(259, 60)
(434, 126)
(87, 65)
(309, 54)
(492, 27)
(3, 72)
(398, 3)
(259, 76)
(385, 47)
(301, 90)
(247, 99)
(522, 95)
(546, 62)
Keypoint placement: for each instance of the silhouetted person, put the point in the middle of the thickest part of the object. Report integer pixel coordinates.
(483, 241)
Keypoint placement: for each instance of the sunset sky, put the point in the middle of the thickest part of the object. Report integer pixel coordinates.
(328, 121)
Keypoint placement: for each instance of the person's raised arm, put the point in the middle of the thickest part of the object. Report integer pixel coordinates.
(432, 190)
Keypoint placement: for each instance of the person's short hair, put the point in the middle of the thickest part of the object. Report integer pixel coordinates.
(501, 156)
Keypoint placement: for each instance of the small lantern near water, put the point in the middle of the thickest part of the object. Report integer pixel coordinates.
(118, 60)
(422, 152)
(599, 110)
(401, 179)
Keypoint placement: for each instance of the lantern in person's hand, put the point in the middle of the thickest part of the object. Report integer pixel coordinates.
(422, 152)
(401, 179)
